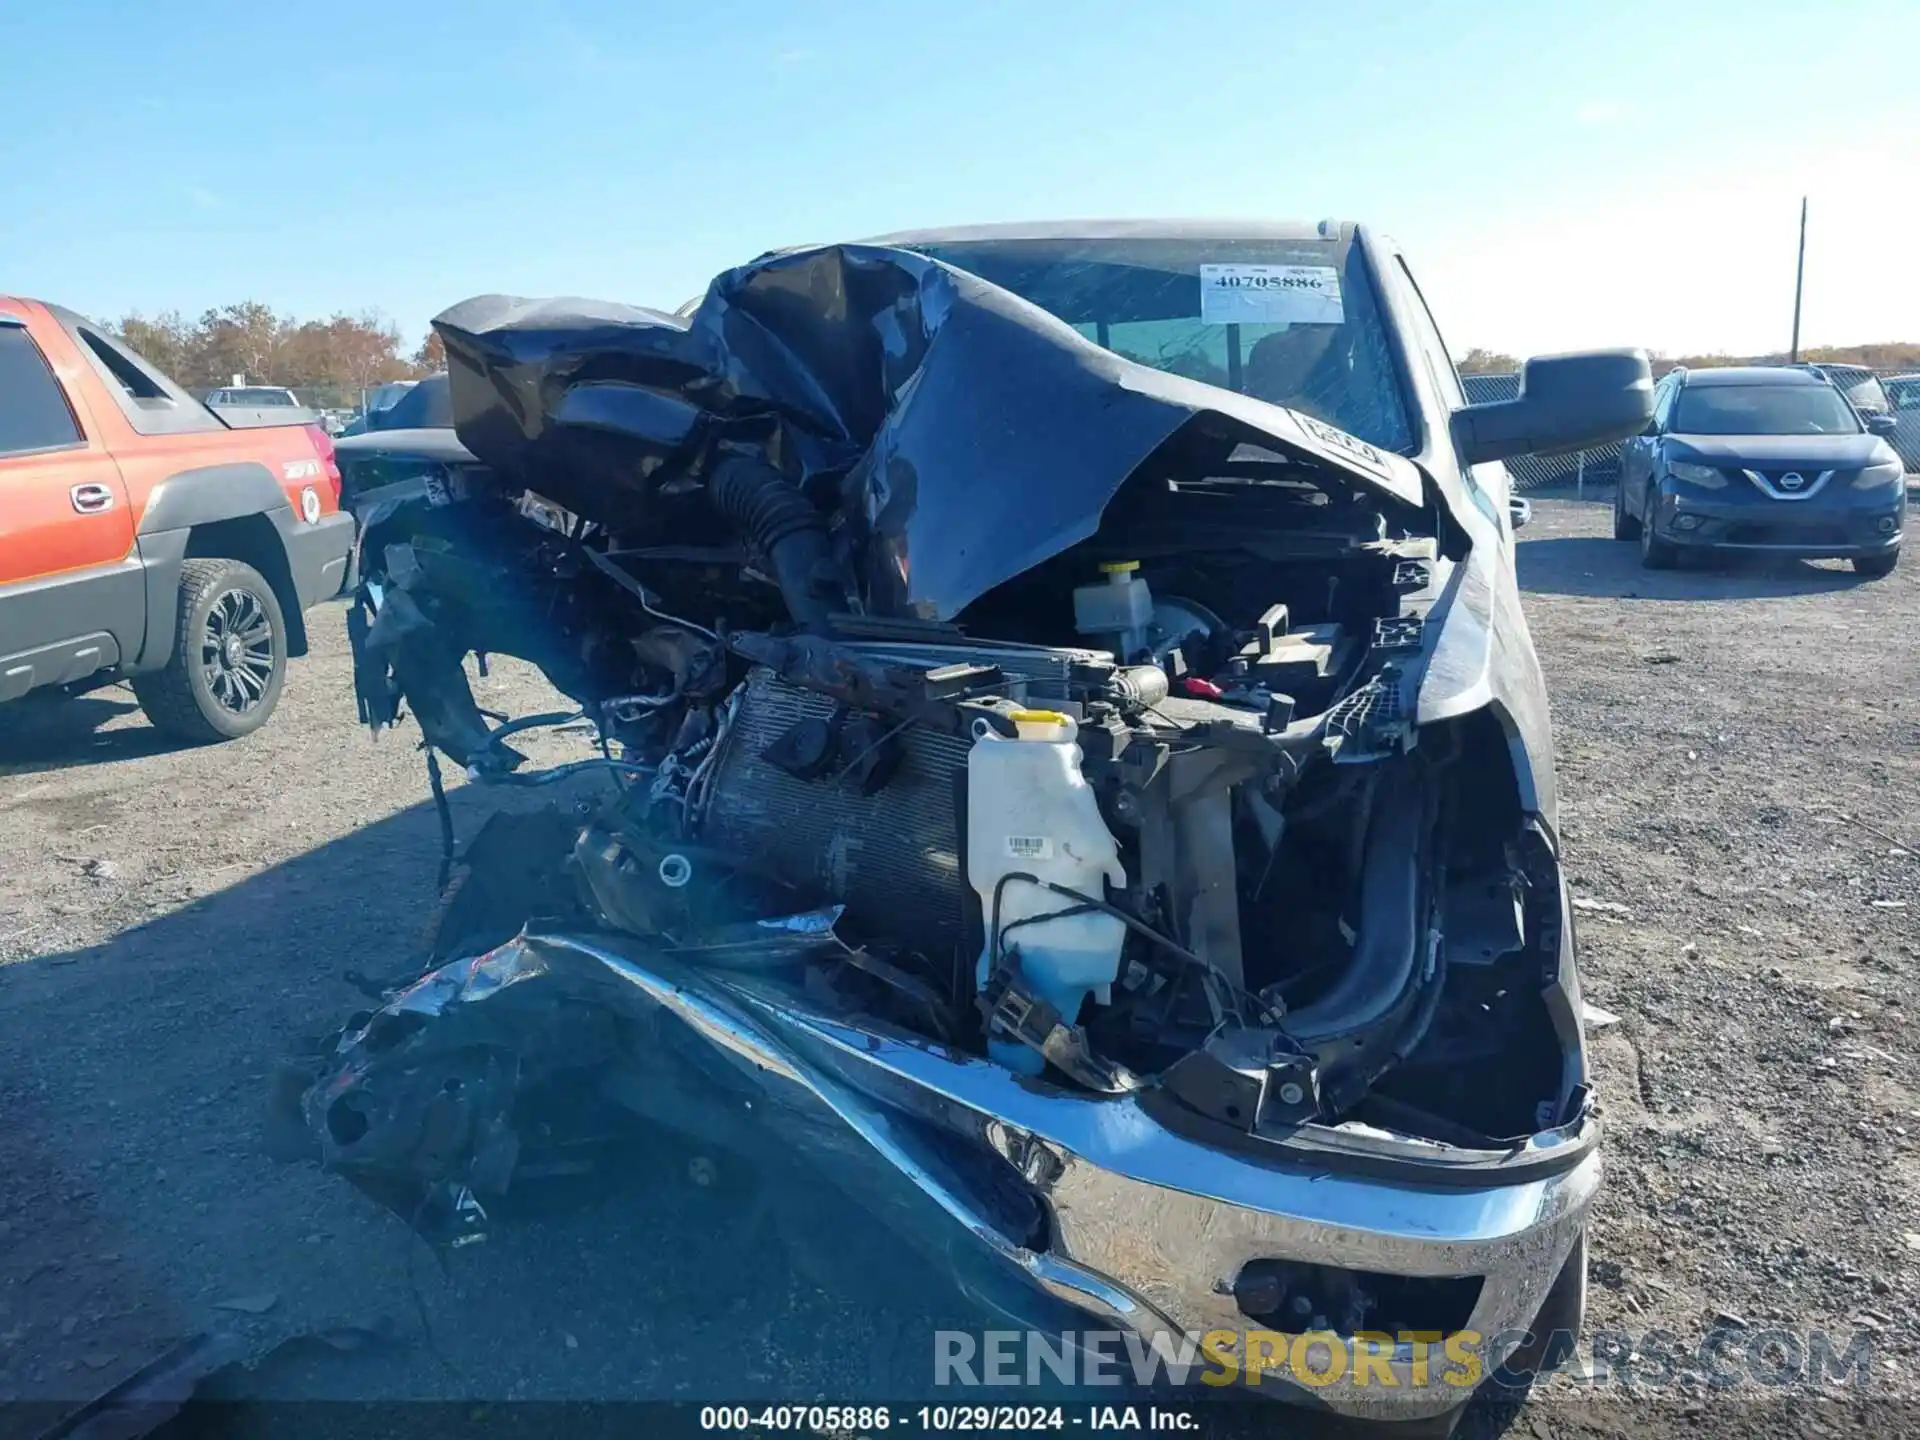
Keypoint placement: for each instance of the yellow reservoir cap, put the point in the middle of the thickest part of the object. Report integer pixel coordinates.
(1048, 725)
(1119, 567)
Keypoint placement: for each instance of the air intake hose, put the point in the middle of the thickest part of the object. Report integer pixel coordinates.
(774, 515)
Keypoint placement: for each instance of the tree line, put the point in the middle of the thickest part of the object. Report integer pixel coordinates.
(1890, 355)
(329, 362)
(325, 362)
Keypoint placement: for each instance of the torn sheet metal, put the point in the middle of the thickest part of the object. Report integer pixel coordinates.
(153, 1395)
(421, 1100)
(612, 410)
(1028, 1194)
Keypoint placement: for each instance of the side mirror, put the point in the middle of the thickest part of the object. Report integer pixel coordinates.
(1566, 402)
(1519, 510)
(1881, 422)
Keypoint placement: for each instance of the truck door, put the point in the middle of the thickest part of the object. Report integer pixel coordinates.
(72, 597)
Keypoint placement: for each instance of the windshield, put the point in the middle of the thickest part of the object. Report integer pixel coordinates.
(260, 397)
(1764, 410)
(1295, 322)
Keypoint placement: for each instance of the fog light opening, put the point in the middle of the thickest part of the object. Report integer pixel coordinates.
(1686, 522)
(1295, 1297)
(1887, 524)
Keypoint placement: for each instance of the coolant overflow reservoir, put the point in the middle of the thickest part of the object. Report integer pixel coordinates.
(1030, 812)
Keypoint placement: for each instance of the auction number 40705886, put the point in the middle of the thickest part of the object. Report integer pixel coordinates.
(858, 1419)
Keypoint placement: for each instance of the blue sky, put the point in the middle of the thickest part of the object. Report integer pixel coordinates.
(1561, 174)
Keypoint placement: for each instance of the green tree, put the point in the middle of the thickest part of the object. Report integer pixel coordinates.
(326, 362)
(1486, 362)
(243, 339)
(166, 339)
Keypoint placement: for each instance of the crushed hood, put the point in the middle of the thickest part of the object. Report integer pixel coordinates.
(957, 434)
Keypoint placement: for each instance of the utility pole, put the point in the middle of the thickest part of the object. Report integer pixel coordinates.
(1799, 279)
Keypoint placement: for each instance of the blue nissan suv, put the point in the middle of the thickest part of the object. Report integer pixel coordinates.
(1769, 459)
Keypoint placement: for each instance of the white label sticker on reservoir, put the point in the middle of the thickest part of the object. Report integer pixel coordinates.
(1270, 295)
(1029, 847)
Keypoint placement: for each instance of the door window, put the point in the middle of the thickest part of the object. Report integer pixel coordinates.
(33, 408)
(1663, 405)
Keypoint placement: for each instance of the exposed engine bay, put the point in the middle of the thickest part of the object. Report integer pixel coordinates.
(981, 687)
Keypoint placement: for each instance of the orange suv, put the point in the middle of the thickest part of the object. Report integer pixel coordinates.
(143, 537)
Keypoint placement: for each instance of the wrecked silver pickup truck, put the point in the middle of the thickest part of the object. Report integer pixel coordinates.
(1076, 770)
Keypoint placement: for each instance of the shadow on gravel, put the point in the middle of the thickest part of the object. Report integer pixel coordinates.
(138, 1208)
(49, 732)
(1592, 565)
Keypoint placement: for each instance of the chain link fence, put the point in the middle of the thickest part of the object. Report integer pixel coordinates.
(1602, 466)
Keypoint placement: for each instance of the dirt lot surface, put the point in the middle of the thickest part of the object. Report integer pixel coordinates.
(1740, 764)
(1739, 756)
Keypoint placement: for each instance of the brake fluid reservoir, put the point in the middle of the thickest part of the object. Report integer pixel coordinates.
(1031, 812)
(1118, 610)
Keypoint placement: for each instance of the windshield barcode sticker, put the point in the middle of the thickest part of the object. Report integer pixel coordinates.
(1270, 295)
(1029, 847)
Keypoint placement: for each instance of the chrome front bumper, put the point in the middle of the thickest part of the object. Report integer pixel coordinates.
(1148, 1229)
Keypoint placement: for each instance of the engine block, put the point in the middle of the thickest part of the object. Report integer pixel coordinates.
(892, 857)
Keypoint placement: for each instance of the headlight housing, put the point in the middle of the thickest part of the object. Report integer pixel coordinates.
(1888, 472)
(1705, 476)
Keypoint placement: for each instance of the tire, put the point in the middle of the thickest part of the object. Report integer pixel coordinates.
(1625, 526)
(229, 657)
(1874, 566)
(1655, 553)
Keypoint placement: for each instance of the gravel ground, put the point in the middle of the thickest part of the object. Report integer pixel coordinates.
(173, 922)
(1740, 758)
